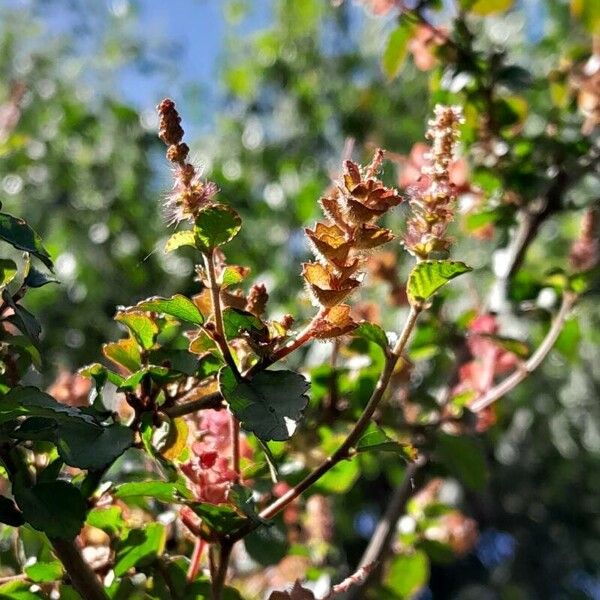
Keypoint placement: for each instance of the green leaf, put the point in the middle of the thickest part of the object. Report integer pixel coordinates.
(208, 365)
(125, 353)
(178, 306)
(269, 405)
(16, 232)
(8, 270)
(179, 239)
(374, 439)
(57, 508)
(100, 374)
(18, 590)
(43, 572)
(86, 447)
(267, 545)
(339, 479)
(216, 225)
(22, 318)
(589, 13)
(109, 519)
(233, 274)
(488, 7)
(29, 401)
(407, 574)
(372, 333)
(569, 338)
(428, 276)
(396, 49)
(142, 327)
(163, 491)
(37, 279)
(219, 519)
(518, 347)
(156, 373)
(140, 547)
(9, 513)
(464, 458)
(237, 321)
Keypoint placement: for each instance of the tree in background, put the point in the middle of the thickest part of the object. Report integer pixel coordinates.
(486, 484)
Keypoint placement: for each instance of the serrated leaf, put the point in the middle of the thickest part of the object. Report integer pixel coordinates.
(372, 333)
(428, 276)
(179, 239)
(177, 306)
(396, 49)
(57, 508)
(16, 232)
(269, 405)
(140, 547)
(216, 225)
(141, 326)
(374, 439)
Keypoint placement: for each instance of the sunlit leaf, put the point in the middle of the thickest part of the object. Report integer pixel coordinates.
(428, 276)
(177, 306)
(140, 547)
(396, 49)
(142, 327)
(215, 226)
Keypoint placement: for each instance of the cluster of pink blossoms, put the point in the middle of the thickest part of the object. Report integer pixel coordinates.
(208, 471)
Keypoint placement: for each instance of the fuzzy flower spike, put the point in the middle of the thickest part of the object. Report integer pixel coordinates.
(433, 202)
(341, 241)
(190, 194)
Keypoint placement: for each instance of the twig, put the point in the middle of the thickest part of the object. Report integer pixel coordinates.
(344, 450)
(533, 362)
(354, 579)
(383, 536)
(212, 400)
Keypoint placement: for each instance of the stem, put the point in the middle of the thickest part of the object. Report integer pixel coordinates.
(195, 559)
(219, 571)
(234, 428)
(212, 400)
(304, 336)
(343, 451)
(83, 578)
(215, 294)
(533, 362)
(379, 544)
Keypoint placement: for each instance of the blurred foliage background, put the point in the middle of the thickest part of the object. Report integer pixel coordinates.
(290, 99)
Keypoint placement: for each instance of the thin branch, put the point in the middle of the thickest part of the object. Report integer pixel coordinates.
(533, 362)
(344, 450)
(383, 536)
(212, 400)
(215, 295)
(355, 579)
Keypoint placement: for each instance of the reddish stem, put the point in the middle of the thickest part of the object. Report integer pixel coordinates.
(195, 560)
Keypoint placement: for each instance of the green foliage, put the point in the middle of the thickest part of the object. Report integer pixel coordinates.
(215, 226)
(269, 405)
(428, 276)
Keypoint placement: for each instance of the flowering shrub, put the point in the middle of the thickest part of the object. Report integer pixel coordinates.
(183, 464)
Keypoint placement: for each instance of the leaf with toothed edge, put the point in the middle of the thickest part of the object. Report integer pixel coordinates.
(428, 276)
(269, 405)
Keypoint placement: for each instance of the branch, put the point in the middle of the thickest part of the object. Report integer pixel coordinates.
(383, 536)
(212, 400)
(344, 450)
(534, 360)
